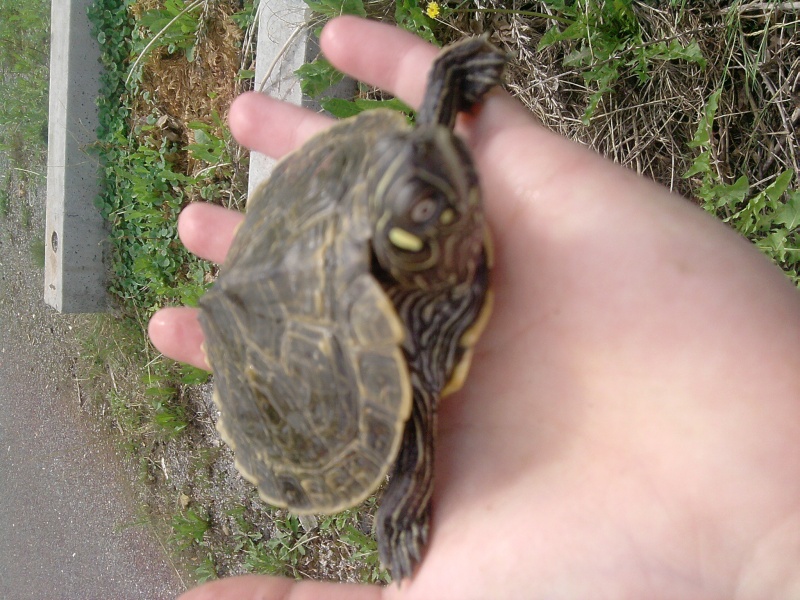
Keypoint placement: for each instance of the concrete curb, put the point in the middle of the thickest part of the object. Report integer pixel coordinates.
(286, 41)
(75, 235)
(282, 47)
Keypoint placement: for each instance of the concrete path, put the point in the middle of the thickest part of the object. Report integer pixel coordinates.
(67, 515)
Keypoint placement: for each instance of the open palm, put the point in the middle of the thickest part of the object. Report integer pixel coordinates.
(631, 424)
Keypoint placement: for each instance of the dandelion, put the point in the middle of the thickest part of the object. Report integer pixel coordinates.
(433, 10)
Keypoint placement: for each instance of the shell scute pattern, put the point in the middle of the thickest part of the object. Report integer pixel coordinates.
(305, 345)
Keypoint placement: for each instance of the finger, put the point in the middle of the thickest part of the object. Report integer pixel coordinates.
(398, 61)
(176, 333)
(260, 587)
(271, 126)
(502, 133)
(208, 230)
(382, 55)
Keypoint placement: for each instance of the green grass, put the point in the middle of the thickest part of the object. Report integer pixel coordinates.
(23, 65)
(135, 388)
(24, 38)
(36, 251)
(4, 204)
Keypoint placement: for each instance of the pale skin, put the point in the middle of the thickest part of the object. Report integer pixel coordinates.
(631, 424)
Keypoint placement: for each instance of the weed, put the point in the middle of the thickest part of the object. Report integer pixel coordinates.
(206, 570)
(169, 419)
(606, 41)
(348, 526)
(365, 553)
(208, 146)
(188, 528)
(409, 15)
(770, 218)
(283, 552)
(278, 553)
(317, 76)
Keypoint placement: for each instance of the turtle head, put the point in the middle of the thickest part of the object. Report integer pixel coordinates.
(426, 206)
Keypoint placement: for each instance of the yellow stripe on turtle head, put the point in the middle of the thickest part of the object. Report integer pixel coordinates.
(405, 240)
(447, 216)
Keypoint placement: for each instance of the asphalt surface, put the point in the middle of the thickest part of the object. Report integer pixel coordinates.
(69, 528)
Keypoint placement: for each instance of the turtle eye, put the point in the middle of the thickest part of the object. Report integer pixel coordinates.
(423, 210)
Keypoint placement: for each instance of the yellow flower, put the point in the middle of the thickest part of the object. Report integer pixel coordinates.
(433, 10)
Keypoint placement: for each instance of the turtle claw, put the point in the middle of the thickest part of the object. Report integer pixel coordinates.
(460, 77)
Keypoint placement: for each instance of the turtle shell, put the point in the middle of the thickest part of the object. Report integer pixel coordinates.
(305, 345)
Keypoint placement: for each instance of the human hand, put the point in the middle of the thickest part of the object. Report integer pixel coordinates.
(631, 424)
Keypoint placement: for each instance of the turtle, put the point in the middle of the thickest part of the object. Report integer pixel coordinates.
(349, 304)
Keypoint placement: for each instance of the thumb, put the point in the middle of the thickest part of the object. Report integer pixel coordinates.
(262, 587)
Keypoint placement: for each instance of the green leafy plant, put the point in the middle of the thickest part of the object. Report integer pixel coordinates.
(343, 109)
(605, 42)
(208, 146)
(170, 420)
(175, 28)
(770, 217)
(278, 554)
(410, 16)
(285, 548)
(188, 528)
(206, 570)
(319, 75)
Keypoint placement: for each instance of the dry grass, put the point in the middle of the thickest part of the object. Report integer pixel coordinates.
(191, 91)
(179, 91)
(751, 51)
(752, 55)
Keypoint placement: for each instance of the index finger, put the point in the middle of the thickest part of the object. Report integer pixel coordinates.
(399, 62)
(383, 55)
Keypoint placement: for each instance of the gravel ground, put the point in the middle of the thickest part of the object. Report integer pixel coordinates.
(68, 521)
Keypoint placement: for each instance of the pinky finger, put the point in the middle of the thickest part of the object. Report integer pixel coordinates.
(176, 333)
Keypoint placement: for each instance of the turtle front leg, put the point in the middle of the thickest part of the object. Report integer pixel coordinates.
(403, 518)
